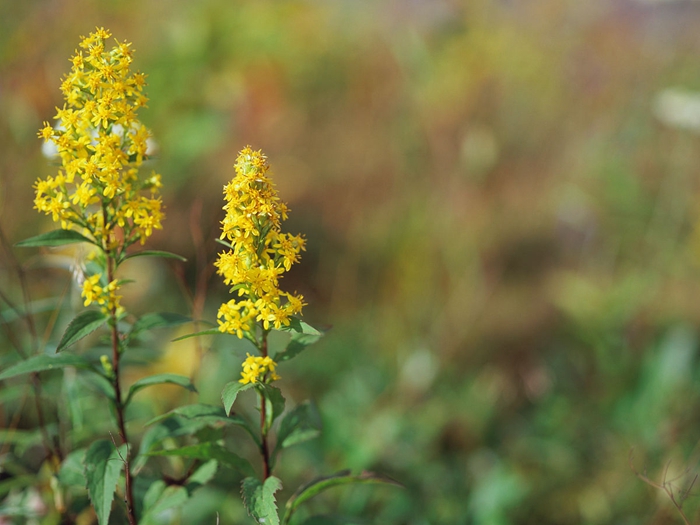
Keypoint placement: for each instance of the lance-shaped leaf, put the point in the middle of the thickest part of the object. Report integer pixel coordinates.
(230, 393)
(159, 379)
(318, 485)
(103, 464)
(274, 403)
(54, 238)
(299, 326)
(209, 415)
(42, 362)
(298, 425)
(207, 451)
(158, 320)
(154, 253)
(259, 499)
(82, 325)
(296, 345)
(211, 331)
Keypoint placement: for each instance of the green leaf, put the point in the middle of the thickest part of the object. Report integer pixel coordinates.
(259, 499)
(82, 325)
(274, 403)
(299, 425)
(159, 498)
(299, 326)
(159, 379)
(210, 415)
(231, 391)
(212, 331)
(225, 243)
(158, 320)
(54, 238)
(72, 473)
(154, 253)
(318, 485)
(103, 465)
(207, 451)
(296, 345)
(43, 362)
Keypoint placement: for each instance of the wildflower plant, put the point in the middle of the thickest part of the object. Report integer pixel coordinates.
(99, 197)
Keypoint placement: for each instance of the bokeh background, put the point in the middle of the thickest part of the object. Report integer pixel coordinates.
(501, 205)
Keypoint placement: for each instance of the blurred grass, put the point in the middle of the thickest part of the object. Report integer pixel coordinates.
(501, 231)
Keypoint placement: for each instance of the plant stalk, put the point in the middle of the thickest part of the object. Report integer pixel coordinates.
(119, 407)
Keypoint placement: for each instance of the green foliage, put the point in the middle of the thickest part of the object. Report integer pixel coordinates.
(161, 498)
(154, 253)
(54, 238)
(231, 391)
(157, 320)
(298, 425)
(103, 464)
(40, 363)
(159, 379)
(318, 485)
(81, 326)
(207, 451)
(259, 499)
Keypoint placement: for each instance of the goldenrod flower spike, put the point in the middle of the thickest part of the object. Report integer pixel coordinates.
(260, 253)
(101, 144)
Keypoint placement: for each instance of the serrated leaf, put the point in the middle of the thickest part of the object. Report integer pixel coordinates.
(212, 331)
(82, 325)
(42, 362)
(72, 473)
(207, 451)
(259, 499)
(158, 320)
(318, 485)
(159, 379)
(274, 403)
(231, 391)
(155, 253)
(54, 238)
(299, 425)
(296, 345)
(209, 415)
(103, 465)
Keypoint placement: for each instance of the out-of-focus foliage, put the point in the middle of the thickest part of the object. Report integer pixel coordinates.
(501, 206)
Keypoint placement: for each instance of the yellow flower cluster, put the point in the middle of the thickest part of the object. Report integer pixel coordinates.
(255, 369)
(105, 296)
(260, 253)
(101, 145)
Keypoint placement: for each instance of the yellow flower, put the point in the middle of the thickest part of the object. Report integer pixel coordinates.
(260, 253)
(101, 145)
(258, 369)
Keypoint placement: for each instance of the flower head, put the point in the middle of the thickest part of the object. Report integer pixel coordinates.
(101, 144)
(258, 369)
(260, 253)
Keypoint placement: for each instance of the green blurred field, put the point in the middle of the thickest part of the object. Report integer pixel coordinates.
(501, 205)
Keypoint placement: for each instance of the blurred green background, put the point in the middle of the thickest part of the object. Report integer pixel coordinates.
(501, 205)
